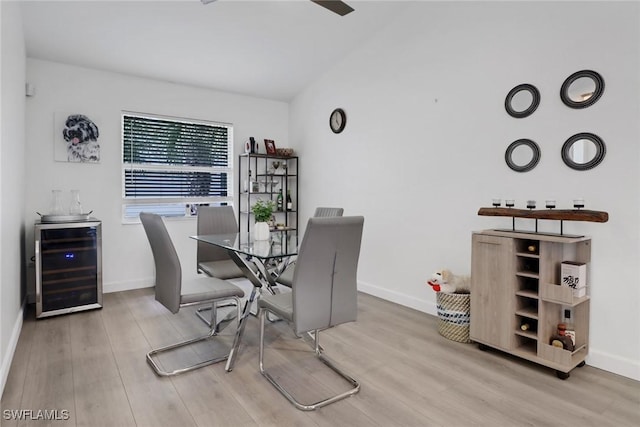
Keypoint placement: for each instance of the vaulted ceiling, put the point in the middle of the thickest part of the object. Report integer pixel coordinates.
(265, 48)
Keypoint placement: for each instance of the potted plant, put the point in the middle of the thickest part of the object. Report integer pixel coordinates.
(262, 211)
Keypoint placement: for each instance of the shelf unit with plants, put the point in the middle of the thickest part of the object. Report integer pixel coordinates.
(262, 177)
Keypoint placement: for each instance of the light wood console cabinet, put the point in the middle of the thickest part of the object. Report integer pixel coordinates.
(515, 281)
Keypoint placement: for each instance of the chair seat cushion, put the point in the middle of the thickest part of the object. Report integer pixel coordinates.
(206, 288)
(224, 269)
(280, 304)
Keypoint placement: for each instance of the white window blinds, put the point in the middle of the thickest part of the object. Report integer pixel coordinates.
(169, 164)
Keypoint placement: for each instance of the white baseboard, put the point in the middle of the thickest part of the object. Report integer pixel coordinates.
(614, 364)
(419, 304)
(127, 286)
(596, 358)
(11, 349)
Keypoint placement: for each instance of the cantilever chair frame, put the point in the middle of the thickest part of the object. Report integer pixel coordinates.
(329, 244)
(158, 243)
(355, 385)
(213, 331)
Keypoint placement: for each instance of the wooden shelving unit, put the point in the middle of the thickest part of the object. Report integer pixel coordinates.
(515, 282)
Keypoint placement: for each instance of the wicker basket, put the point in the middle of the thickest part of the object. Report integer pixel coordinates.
(454, 316)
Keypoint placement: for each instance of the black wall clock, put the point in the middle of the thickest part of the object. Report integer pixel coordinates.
(338, 120)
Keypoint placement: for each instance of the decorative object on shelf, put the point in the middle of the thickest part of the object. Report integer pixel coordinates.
(270, 146)
(562, 340)
(522, 100)
(284, 152)
(262, 211)
(583, 151)
(522, 155)
(582, 89)
(578, 203)
(75, 207)
(557, 214)
(531, 204)
(280, 201)
(509, 203)
(289, 200)
(550, 204)
(496, 202)
(250, 146)
(574, 275)
(76, 139)
(548, 214)
(56, 203)
(338, 120)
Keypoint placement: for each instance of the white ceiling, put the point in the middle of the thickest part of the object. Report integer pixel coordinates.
(267, 48)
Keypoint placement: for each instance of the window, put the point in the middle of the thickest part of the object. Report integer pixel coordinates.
(170, 166)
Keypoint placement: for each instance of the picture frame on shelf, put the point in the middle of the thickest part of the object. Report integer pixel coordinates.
(270, 146)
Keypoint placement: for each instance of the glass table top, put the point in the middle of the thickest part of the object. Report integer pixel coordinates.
(280, 243)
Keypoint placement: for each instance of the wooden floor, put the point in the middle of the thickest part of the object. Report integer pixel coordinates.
(92, 364)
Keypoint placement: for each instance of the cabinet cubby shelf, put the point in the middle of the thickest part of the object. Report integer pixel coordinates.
(530, 314)
(527, 294)
(527, 255)
(529, 274)
(529, 334)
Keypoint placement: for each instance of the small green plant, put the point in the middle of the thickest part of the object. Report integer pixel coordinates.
(263, 210)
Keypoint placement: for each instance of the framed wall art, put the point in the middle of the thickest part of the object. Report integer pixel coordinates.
(76, 138)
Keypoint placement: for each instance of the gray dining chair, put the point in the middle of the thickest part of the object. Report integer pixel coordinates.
(323, 295)
(286, 277)
(174, 292)
(212, 260)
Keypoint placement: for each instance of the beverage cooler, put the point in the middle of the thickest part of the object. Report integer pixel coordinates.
(68, 267)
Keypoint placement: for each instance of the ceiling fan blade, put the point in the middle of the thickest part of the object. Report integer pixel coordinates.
(339, 7)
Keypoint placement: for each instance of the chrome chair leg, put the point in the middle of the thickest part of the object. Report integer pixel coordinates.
(355, 386)
(201, 310)
(212, 333)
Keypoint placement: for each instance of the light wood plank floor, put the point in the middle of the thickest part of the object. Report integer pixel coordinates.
(93, 365)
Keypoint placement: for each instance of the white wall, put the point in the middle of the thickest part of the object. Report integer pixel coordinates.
(127, 261)
(424, 146)
(12, 173)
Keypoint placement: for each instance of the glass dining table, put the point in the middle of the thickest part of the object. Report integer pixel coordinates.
(261, 261)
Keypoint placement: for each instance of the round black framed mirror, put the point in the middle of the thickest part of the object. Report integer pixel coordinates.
(582, 89)
(522, 100)
(522, 155)
(583, 151)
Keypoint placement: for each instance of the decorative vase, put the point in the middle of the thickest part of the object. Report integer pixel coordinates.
(261, 231)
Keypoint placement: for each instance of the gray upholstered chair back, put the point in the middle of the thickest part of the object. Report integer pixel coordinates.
(168, 270)
(215, 220)
(324, 283)
(327, 212)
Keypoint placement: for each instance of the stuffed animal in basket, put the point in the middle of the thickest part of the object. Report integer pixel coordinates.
(446, 281)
